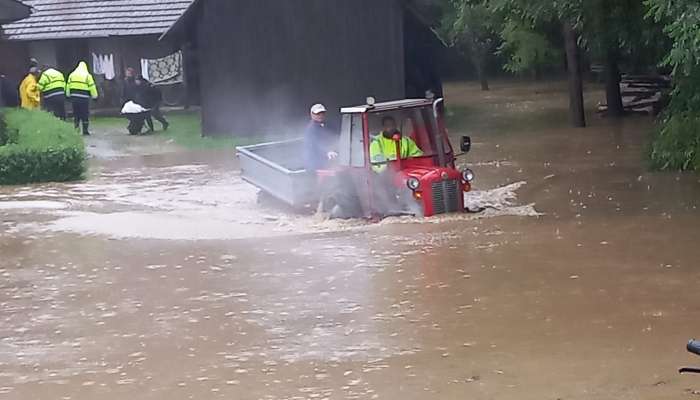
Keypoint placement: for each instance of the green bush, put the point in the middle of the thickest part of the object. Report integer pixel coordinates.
(39, 148)
(7, 135)
(676, 144)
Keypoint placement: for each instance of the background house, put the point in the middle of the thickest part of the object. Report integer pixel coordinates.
(12, 10)
(264, 62)
(109, 34)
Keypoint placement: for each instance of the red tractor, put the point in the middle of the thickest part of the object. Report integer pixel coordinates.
(424, 185)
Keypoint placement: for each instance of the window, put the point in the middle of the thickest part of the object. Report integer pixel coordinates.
(352, 142)
(357, 158)
(414, 123)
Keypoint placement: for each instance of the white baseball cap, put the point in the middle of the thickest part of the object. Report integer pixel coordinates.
(318, 108)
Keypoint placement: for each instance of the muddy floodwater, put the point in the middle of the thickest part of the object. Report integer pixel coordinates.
(162, 277)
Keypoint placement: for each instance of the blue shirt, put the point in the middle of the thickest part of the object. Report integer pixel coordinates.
(319, 140)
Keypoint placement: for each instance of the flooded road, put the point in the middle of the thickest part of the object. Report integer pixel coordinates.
(161, 277)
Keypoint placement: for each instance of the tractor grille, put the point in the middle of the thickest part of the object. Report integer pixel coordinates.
(446, 197)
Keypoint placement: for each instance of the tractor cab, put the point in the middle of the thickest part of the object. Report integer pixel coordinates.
(423, 181)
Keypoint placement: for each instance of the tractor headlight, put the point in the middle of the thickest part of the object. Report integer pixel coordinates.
(413, 183)
(468, 175)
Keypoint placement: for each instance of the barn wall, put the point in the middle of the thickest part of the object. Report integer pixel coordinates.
(44, 52)
(14, 60)
(264, 62)
(422, 52)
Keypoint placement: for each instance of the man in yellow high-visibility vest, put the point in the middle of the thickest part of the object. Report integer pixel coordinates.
(80, 89)
(383, 147)
(387, 198)
(52, 85)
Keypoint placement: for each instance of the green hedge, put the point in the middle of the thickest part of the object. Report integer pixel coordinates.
(7, 135)
(39, 148)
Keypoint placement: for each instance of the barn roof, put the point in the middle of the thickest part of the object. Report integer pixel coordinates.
(425, 10)
(12, 10)
(68, 19)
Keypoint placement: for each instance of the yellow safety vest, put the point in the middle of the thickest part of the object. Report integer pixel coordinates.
(52, 83)
(81, 84)
(382, 150)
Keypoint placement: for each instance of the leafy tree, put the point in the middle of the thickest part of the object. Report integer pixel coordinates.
(470, 26)
(603, 39)
(568, 15)
(677, 143)
(527, 49)
(617, 32)
(611, 30)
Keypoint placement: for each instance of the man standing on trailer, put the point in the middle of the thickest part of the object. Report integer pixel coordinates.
(320, 142)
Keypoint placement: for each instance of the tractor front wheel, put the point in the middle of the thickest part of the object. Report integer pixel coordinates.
(339, 198)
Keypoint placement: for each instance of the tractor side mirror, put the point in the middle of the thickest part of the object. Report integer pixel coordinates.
(465, 144)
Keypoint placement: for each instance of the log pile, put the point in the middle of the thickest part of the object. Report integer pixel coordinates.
(642, 94)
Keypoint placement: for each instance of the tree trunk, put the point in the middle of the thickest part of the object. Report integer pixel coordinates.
(576, 109)
(612, 85)
(478, 57)
(484, 83)
(537, 73)
(481, 71)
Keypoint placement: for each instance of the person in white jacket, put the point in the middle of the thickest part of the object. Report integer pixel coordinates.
(136, 115)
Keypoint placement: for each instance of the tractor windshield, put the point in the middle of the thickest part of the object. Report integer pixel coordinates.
(416, 124)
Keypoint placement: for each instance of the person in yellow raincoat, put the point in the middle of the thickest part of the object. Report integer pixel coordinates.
(29, 94)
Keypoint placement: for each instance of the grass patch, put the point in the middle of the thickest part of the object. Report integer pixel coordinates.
(185, 130)
(39, 148)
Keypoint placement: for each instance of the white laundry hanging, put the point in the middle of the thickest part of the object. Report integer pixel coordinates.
(108, 66)
(144, 69)
(103, 64)
(96, 64)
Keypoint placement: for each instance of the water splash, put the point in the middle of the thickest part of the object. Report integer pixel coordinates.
(501, 201)
(198, 202)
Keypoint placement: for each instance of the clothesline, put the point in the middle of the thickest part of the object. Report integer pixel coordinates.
(103, 64)
(161, 70)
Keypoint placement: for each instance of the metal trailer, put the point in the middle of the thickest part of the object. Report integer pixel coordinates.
(277, 169)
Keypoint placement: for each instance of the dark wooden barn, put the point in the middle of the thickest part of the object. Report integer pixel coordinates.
(264, 62)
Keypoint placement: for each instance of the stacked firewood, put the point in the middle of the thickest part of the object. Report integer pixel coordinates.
(642, 94)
